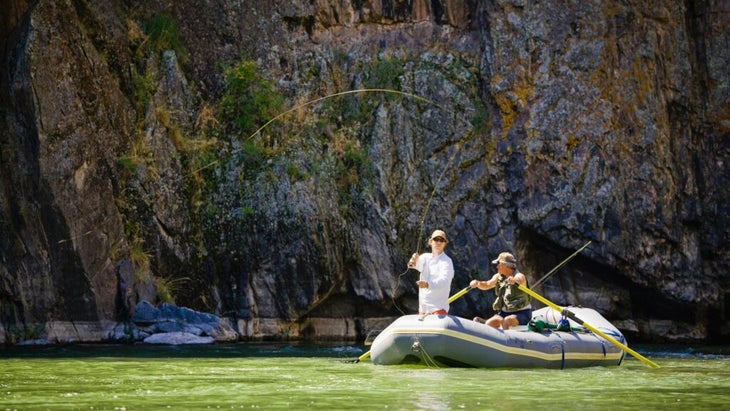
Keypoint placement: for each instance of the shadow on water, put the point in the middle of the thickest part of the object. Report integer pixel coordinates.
(247, 349)
(346, 351)
(297, 376)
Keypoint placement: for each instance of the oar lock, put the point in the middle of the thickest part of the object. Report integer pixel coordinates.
(416, 347)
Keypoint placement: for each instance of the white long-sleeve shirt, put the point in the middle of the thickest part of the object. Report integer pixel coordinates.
(438, 271)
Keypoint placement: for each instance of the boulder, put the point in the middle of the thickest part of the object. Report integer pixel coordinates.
(178, 338)
(171, 319)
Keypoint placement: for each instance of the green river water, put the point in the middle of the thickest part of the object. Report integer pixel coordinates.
(279, 376)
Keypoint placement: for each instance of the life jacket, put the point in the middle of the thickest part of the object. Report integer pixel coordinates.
(509, 297)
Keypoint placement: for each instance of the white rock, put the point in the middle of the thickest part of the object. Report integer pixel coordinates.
(177, 338)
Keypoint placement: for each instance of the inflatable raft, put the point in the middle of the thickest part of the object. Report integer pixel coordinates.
(447, 340)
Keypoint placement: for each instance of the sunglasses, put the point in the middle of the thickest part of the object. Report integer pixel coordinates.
(439, 240)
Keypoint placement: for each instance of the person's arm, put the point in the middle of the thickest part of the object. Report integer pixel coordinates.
(520, 278)
(418, 264)
(413, 262)
(485, 285)
(443, 275)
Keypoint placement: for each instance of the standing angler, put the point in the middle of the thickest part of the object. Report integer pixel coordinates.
(437, 271)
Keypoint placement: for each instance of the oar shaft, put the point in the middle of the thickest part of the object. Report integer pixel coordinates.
(588, 326)
(459, 294)
(364, 356)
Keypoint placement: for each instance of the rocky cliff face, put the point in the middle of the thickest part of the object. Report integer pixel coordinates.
(133, 167)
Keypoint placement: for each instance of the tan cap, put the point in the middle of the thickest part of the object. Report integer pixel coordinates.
(439, 233)
(507, 259)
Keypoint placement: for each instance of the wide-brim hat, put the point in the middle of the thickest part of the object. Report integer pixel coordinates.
(439, 233)
(506, 258)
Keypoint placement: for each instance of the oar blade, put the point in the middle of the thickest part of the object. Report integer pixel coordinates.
(371, 336)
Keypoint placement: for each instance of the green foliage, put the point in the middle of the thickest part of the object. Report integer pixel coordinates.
(140, 257)
(138, 155)
(481, 117)
(353, 172)
(351, 109)
(161, 33)
(358, 109)
(164, 34)
(355, 157)
(128, 162)
(166, 288)
(201, 174)
(255, 154)
(295, 173)
(339, 57)
(144, 87)
(255, 151)
(386, 74)
(30, 332)
(249, 100)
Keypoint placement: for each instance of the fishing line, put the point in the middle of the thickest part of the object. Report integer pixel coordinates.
(391, 91)
(433, 193)
(74, 237)
(342, 93)
(422, 223)
(329, 96)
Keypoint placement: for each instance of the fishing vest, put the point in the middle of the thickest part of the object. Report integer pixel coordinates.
(509, 297)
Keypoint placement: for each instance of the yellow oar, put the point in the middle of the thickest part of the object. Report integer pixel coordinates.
(451, 300)
(459, 295)
(363, 357)
(572, 316)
